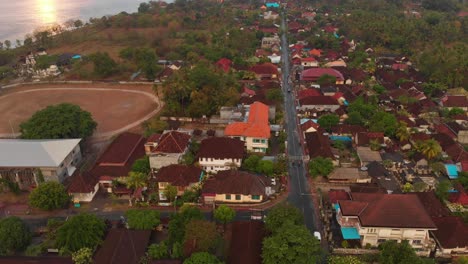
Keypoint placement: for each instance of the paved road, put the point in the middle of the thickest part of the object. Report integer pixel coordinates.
(299, 195)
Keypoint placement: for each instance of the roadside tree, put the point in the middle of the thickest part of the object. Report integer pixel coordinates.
(49, 196)
(14, 235)
(202, 258)
(142, 219)
(80, 231)
(170, 193)
(158, 251)
(293, 243)
(327, 121)
(224, 214)
(200, 236)
(280, 215)
(320, 166)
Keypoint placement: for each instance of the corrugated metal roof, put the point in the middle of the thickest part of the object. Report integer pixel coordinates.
(35, 153)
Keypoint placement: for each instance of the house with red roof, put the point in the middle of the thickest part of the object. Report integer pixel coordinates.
(114, 164)
(374, 218)
(255, 132)
(319, 103)
(168, 149)
(220, 153)
(184, 177)
(234, 186)
(455, 101)
(313, 74)
(451, 236)
(265, 71)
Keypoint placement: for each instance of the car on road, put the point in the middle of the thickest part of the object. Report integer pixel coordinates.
(289, 90)
(317, 235)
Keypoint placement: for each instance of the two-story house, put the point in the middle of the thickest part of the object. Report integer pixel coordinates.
(375, 218)
(167, 149)
(27, 162)
(233, 186)
(319, 103)
(255, 132)
(183, 177)
(220, 153)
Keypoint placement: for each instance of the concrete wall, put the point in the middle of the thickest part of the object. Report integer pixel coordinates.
(214, 165)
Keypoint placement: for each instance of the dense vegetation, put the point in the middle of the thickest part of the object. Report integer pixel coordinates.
(14, 235)
(49, 196)
(59, 122)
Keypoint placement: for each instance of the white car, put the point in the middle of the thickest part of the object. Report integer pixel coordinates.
(317, 235)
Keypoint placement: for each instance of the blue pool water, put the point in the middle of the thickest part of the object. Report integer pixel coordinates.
(341, 138)
(452, 171)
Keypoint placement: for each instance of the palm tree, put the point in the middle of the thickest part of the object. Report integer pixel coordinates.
(431, 148)
(402, 132)
(136, 180)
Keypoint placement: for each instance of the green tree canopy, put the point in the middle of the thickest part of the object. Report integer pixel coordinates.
(202, 258)
(158, 251)
(442, 189)
(224, 214)
(57, 122)
(170, 193)
(383, 122)
(14, 235)
(463, 179)
(327, 121)
(142, 219)
(293, 243)
(104, 65)
(344, 260)
(142, 165)
(179, 220)
(80, 231)
(200, 236)
(393, 252)
(320, 166)
(136, 180)
(49, 196)
(354, 118)
(431, 148)
(83, 256)
(280, 215)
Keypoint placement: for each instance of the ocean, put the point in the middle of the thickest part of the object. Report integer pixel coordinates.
(20, 17)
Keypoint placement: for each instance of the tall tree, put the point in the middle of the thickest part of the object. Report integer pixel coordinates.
(57, 122)
(327, 121)
(393, 252)
(80, 231)
(442, 189)
(136, 180)
(49, 196)
(402, 132)
(141, 219)
(224, 214)
(431, 148)
(293, 243)
(158, 251)
(200, 236)
(14, 235)
(83, 256)
(282, 214)
(170, 192)
(320, 166)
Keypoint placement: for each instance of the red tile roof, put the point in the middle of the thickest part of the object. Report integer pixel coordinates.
(387, 210)
(318, 100)
(242, 231)
(82, 182)
(35, 260)
(179, 175)
(459, 197)
(314, 74)
(432, 204)
(318, 145)
(455, 101)
(308, 92)
(224, 64)
(308, 124)
(121, 149)
(265, 68)
(123, 246)
(236, 182)
(344, 129)
(451, 232)
(256, 125)
(173, 142)
(221, 148)
(338, 195)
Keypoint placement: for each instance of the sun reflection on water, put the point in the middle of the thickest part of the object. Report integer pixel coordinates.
(47, 11)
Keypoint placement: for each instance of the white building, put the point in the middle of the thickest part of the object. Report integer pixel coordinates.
(220, 153)
(27, 161)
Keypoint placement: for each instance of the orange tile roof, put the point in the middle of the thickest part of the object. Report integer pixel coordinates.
(256, 125)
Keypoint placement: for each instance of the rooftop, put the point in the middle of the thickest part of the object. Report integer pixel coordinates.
(120, 150)
(238, 182)
(387, 210)
(179, 175)
(256, 125)
(123, 246)
(173, 142)
(35, 153)
(221, 148)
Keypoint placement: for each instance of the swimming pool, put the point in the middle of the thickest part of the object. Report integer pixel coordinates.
(341, 138)
(452, 171)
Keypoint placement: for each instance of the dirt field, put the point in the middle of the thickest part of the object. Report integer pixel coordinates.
(114, 107)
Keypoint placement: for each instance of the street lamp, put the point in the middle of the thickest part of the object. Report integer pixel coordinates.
(175, 206)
